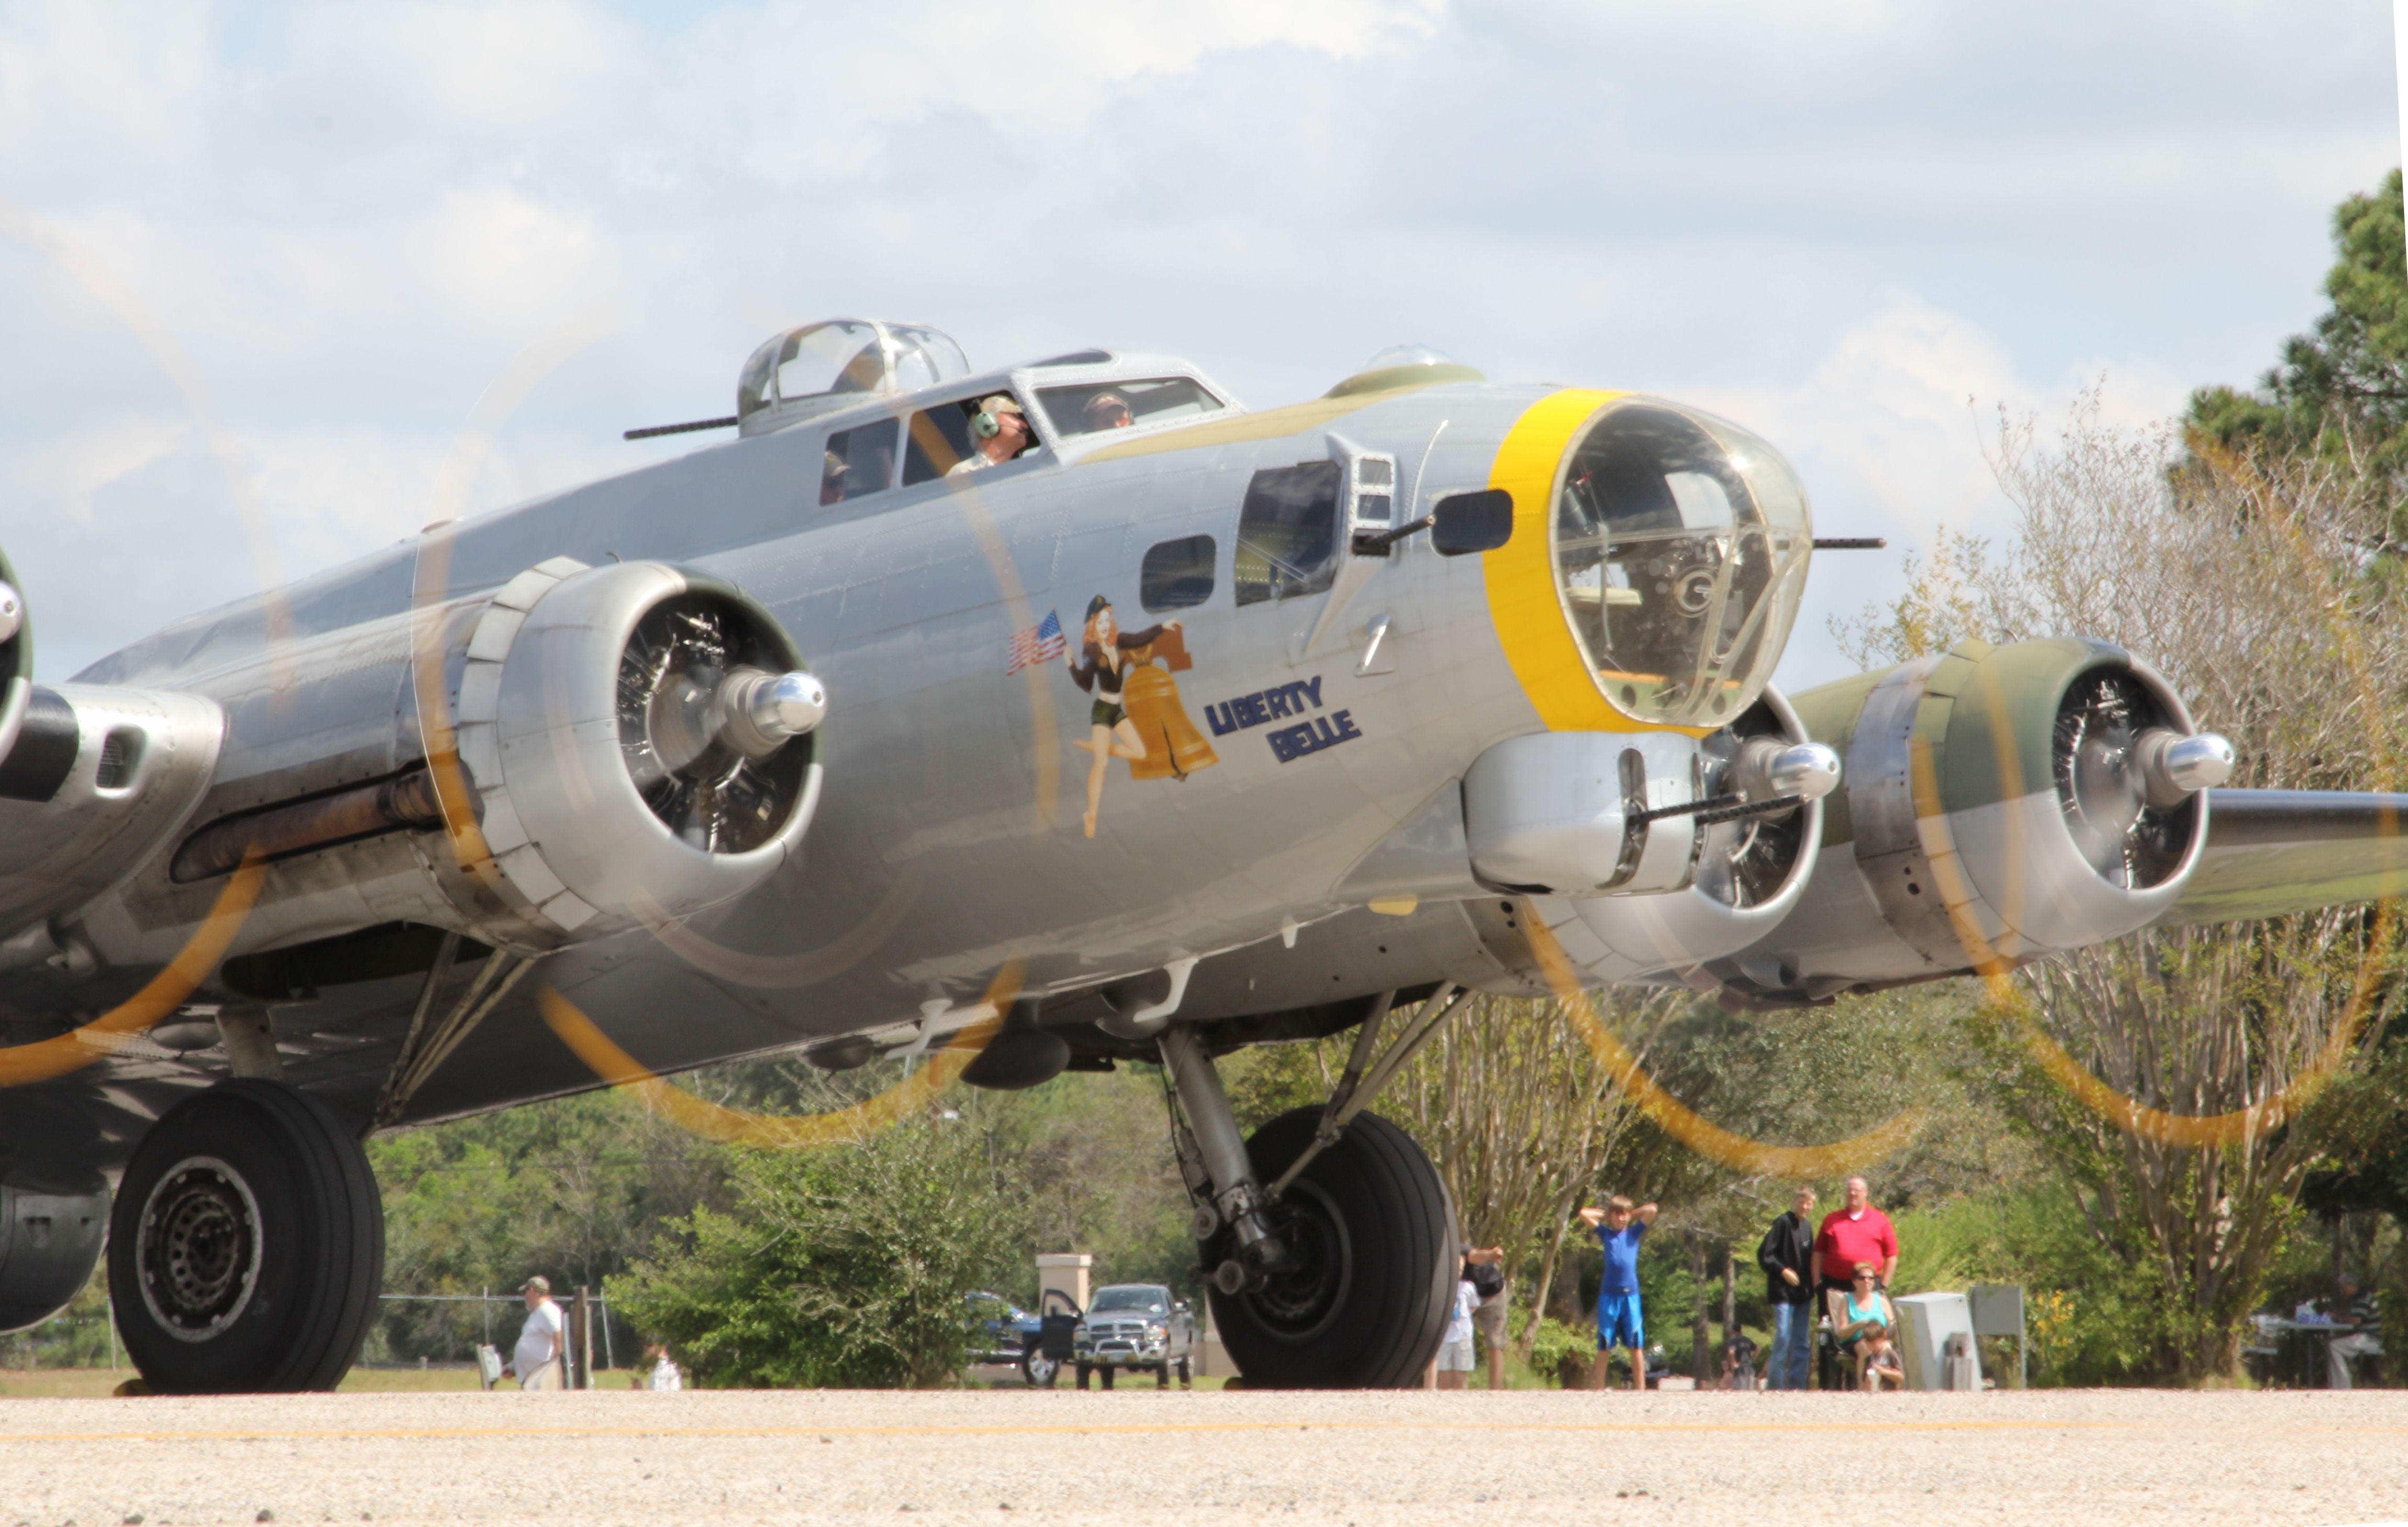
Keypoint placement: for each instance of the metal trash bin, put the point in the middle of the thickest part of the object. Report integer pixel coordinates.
(1927, 1324)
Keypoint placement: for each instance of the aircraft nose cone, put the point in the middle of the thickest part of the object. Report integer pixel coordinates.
(1808, 770)
(789, 705)
(762, 712)
(2174, 767)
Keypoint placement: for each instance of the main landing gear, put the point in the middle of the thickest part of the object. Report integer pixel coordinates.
(247, 1245)
(1340, 1273)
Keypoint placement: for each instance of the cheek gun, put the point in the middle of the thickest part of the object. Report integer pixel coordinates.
(1668, 849)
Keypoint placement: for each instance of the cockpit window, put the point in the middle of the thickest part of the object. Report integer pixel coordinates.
(858, 460)
(967, 435)
(1681, 543)
(1093, 408)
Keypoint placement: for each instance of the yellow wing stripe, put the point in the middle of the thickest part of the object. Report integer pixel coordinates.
(1521, 577)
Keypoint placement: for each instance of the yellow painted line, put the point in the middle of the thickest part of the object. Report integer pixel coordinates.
(1238, 429)
(1133, 1428)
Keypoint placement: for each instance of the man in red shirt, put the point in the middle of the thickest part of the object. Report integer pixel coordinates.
(1857, 1232)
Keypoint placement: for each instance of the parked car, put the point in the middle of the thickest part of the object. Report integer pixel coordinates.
(1135, 1326)
(1001, 1330)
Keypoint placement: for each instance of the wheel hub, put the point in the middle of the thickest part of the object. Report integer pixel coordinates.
(1301, 1295)
(200, 1249)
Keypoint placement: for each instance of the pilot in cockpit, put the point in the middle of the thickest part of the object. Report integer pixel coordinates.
(1107, 411)
(999, 431)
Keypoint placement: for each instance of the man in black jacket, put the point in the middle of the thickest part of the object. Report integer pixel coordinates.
(1786, 1256)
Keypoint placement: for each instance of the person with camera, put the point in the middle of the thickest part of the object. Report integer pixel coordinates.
(1483, 1268)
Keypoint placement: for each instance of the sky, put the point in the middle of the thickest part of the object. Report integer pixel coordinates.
(280, 284)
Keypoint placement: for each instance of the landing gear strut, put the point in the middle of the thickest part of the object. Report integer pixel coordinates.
(1344, 1277)
(247, 1245)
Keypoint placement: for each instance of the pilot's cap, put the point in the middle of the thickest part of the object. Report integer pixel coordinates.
(538, 1283)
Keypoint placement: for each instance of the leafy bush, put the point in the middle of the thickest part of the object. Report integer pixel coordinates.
(1562, 1352)
(843, 1267)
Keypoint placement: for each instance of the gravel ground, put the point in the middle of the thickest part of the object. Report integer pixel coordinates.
(1144, 1455)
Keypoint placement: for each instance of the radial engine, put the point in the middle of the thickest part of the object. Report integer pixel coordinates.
(2000, 805)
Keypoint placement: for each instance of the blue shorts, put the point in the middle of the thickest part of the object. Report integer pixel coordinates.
(1617, 1321)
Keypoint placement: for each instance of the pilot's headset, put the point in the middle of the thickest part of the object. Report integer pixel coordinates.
(986, 423)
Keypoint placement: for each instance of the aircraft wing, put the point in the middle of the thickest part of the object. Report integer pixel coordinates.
(2273, 851)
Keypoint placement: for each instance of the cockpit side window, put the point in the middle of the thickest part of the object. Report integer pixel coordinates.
(962, 437)
(859, 460)
(1093, 407)
(1287, 531)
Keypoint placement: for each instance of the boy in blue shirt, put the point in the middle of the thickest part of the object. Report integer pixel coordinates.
(1618, 1227)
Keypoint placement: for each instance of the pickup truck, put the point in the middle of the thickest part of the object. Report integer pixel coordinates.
(1135, 1326)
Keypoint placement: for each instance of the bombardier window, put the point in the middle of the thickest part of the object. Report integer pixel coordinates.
(859, 460)
(965, 437)
(1092, 407)
(1680, 549)
(1287, 531)
(1176, 575)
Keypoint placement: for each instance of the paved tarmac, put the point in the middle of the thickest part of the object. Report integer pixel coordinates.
(1143, 1455)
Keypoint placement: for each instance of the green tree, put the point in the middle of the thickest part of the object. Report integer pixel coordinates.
(2341, 390)
(841, 1267)
(2244, 578)
(569, 1188)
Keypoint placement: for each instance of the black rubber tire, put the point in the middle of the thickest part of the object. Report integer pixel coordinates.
(1037, 1370)
(1186, 1373)
(1084, 1372)
(1375, 1281)
(1162, 1376)
(1107, 1375)
(292, 1306)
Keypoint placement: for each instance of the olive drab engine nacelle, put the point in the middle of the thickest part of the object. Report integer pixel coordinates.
(2000, 805)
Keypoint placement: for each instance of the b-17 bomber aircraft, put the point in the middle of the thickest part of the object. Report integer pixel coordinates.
(1073, 705)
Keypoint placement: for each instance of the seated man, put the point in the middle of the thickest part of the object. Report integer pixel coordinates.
(1738, 1363)
(1861, 1322)
(2349, 1307)
(999, 431)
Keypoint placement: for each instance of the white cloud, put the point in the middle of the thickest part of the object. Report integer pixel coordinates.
(1832, 222)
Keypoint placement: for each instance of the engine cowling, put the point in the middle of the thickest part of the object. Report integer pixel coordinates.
(51, 1240)
(638, 739)
(1998, 805)
(15, 658)
(582, 749)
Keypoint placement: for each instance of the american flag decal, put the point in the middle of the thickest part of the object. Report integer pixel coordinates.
(1038, 643)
